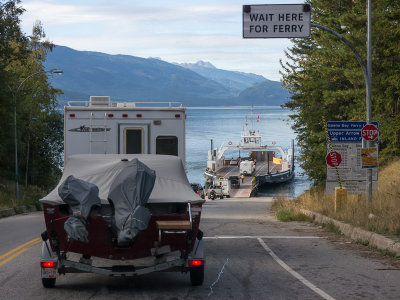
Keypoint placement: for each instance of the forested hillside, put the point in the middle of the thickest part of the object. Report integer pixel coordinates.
(132, 78)
(325, 79)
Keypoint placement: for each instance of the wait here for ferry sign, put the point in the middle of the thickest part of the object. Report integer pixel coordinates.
(276, 21)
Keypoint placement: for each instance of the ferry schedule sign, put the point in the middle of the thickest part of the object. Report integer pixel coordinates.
(276, 21)
(346, 139)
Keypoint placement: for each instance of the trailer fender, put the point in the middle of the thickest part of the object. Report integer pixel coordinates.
(198, 250)
(47, 252)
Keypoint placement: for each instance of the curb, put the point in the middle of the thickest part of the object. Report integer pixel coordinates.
(357, 234)
(17, 210)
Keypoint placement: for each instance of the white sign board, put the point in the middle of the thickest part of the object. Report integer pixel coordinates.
(276, 21)
(350, 168)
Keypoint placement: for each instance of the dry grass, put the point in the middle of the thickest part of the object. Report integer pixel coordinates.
(382, 216)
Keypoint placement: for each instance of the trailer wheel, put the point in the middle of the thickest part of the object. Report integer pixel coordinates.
(197, 275)
(49, 282)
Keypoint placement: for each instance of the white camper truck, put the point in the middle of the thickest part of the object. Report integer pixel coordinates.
(247, 167)
(100, 126)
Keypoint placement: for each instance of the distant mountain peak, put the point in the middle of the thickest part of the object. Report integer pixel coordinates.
(204, 64)
(199, 64)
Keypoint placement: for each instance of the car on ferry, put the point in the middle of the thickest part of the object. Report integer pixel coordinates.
(198, 189)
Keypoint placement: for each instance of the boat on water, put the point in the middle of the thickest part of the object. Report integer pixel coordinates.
(258, 165)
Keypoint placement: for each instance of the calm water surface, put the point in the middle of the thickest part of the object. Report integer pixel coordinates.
(224, 124)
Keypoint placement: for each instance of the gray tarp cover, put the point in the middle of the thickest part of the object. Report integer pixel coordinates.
(129, 193)
(171, 183)
(81, 196)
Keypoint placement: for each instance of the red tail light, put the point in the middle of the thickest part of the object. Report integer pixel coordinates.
(48, 264)
(196, 263)
(197, 191)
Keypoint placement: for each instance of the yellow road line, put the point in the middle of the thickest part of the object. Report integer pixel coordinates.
(22, 248)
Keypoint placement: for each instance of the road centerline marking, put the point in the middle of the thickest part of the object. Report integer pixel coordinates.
(294, 273)
(6, 257)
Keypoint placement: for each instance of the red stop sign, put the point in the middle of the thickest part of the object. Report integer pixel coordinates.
(333, 159)
(369, 132)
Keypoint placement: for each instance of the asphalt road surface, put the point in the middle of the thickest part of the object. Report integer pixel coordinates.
(249, 255)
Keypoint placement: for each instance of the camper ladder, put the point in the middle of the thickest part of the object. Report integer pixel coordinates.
(101, 128)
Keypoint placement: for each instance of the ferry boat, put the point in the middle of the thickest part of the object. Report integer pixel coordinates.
(260, 165)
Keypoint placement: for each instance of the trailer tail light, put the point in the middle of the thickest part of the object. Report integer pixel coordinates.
(177, 116)
(72, 115)
(138, 115)
(48, 264)
(124, 115)
(196, 263)
(110, 115)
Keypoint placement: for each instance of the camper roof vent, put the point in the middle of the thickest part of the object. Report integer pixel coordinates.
(99, 100)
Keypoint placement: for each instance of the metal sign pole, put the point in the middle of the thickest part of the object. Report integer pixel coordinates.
(369, 109)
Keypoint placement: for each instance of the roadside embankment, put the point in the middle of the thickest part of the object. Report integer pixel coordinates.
(376, 224)
(17, 210)
(358, 234)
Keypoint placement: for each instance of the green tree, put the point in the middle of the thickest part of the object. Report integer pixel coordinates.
(39, 125)
(325, 78)
(12, 48)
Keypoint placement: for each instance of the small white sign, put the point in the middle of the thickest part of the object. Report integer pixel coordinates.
(276, 21)
(352, 186)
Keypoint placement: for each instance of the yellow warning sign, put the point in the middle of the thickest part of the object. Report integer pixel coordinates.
(369, 157)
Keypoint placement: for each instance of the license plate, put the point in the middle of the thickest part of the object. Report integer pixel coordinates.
(49, 273)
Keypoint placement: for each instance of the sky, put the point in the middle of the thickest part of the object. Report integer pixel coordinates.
(183, 31)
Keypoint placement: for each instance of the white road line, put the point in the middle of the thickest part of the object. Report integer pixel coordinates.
(260, 237)
(294, 273)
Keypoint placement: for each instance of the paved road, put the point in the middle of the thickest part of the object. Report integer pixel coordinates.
(249, 256)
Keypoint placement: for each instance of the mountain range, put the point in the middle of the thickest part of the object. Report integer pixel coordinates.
(131, 78)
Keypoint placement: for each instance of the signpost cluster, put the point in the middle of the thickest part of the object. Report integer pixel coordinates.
(349, 158)
(355, 151)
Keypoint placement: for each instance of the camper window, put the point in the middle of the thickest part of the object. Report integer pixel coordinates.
(167, 145)
(133, 140)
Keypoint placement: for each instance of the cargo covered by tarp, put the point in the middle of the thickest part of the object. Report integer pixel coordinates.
(171, 184)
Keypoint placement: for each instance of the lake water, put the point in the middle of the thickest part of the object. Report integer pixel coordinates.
(224, 124)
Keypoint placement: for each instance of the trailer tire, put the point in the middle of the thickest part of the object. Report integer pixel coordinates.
(197, 275)
(49, 282)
